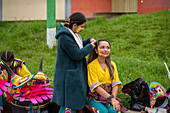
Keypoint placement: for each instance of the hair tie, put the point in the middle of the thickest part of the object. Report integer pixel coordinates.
(67, 22)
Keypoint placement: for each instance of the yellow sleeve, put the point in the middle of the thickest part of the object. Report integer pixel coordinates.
(116, 80)
(23, 72)
(93, 80)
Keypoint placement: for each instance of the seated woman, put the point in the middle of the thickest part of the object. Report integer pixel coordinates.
(18, 67)
(103, 80)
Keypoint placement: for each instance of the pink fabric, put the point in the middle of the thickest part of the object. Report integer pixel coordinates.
(38, 91)
(32, 91)
(44, 97)
(39, 99)
(22, 99)
(3, 86)
(1, 92)
(7, 84)
(33, 100)
(2, 82)
(49, 96)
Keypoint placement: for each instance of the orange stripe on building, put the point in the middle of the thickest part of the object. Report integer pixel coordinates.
(89, 7)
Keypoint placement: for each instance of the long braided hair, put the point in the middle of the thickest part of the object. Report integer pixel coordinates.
(7, 56)
(93, 55)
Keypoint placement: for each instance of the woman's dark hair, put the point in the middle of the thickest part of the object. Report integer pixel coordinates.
(7, 56)
(93, 55)
(76, 18)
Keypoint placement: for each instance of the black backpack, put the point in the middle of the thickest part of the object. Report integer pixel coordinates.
(139, 92)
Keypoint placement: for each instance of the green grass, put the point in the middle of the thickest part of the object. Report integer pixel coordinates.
(140, 44)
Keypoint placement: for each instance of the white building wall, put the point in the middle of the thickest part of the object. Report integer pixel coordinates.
(16, 10)
(60, 9)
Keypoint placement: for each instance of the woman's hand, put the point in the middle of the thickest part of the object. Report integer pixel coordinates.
(115, 104)
(93, 41)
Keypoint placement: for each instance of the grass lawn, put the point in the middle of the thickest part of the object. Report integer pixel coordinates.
(140, 44)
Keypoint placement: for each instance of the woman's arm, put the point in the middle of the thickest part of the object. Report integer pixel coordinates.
(104, 94)
(71, 48)
(87, 41)
(115, 91)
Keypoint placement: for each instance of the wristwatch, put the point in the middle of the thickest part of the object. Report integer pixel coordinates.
(108, 99)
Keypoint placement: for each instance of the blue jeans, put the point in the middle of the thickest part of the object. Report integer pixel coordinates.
(102, 108)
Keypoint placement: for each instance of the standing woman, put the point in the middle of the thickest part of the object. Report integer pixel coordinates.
(70, 79)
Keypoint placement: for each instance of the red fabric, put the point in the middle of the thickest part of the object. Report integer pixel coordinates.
(10, 98)
(32, 91)
(2, 82)
(39, 91)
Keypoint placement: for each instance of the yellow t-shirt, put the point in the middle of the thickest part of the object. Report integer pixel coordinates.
(97, 76)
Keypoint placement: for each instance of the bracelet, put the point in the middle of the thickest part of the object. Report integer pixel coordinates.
(108, 99)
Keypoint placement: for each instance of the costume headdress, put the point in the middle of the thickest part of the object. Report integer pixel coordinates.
(159, 97)
(40, 77)
(35, 93)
